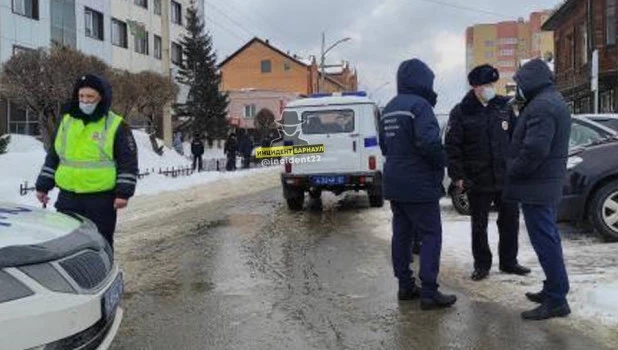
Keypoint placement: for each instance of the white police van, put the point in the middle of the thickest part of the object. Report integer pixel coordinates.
(347, 124)
(59, 286)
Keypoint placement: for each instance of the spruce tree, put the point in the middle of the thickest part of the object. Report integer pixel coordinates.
(206, 106)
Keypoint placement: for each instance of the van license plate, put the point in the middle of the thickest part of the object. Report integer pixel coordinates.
(328, 180)
(112, 296)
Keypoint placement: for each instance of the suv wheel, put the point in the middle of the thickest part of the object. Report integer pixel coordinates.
(604, 211)
(296, 203)
(376, 198)
(461, 203)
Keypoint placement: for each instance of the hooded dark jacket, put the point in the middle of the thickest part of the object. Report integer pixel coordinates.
(477, 142)
(410, 138)
(125, 149)
(539, 149)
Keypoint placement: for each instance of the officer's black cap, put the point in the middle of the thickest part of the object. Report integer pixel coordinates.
(91, 81)
(483, 74)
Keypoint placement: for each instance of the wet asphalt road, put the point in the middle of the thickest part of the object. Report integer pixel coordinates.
(248, 274)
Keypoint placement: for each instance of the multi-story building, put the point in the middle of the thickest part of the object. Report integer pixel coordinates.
(505, 44)
(580, 27)
(126, 34)
(260, 75)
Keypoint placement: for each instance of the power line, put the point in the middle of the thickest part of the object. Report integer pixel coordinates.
(465, 8)
(250, 17)
(233, 21)
(227, 30)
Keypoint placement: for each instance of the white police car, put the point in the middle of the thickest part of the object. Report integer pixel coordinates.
(59, 286)
(347, 125)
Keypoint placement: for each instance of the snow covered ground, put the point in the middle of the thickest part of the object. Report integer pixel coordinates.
(592, 266)
(25, 156)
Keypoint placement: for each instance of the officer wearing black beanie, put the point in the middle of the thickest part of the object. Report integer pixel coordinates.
(477, 141)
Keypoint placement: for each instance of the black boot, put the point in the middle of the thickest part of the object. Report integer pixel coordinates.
(479, 274)
(536, 297)
(438, 301)
(408, 293)
(515, 270)
(545, 311)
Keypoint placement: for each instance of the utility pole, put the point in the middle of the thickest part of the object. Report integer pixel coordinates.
(323, 58)
(167, 69)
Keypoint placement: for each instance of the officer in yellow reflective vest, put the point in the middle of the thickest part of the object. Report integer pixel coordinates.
(93, 159)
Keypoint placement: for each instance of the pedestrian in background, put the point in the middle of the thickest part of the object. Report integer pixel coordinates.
(231, 149)
(197, 150)
(245, 147)
(93, 160)
(536, 169)
(413, 173)
(477, 142)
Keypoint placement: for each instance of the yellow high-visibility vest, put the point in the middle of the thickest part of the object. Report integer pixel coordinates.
(86, 153)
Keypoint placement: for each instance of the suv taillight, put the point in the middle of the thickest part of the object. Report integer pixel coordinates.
(288, 167)
(372, 163)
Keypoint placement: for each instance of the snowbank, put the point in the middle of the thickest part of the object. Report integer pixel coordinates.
(22, 163)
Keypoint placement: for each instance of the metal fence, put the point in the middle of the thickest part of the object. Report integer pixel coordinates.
(208, 165)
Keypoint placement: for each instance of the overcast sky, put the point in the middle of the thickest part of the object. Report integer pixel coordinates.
(383, 32)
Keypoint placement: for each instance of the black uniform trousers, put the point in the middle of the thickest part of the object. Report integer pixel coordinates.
(508, 229)
(99, 208)
(197, 163)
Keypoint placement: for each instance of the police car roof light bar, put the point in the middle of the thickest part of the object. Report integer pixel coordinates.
(346, 93)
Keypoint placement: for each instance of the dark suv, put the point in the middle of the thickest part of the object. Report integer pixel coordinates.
(591, 187)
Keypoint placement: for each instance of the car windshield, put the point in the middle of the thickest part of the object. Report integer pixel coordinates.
(328, 122)
(583, 134)
(608, 122)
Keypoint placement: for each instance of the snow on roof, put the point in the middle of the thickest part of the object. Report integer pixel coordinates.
(334, 70)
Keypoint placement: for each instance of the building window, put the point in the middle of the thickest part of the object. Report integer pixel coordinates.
(489, 43)
(119, 33)
(63, 23)
(141, 43)
(157, 47)
(94, 24)
(286, 65)
(607, 101)
(156, 6)
(176, 12)
(489, 54)
(266, 66)
(250, 111)
(583, 44)
(27, 8)
(506, 64)
(610, 22)
(22, 121)
(509, 41)
(176, 54)
(141, 3)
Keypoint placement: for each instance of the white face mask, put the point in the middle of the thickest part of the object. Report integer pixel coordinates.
(88, 108)
(488, 94)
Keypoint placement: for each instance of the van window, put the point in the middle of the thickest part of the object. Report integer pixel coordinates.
(328, 122)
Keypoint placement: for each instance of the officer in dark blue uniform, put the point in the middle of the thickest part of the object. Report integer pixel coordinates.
(535, 174)
(413, 173)
(477, 142)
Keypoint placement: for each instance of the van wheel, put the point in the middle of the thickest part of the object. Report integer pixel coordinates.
(603, 211)
(296, 203)
(376, 198)
(376, 201)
